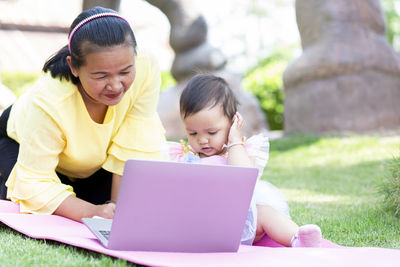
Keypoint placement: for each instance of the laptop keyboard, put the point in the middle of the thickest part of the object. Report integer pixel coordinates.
(105, 233)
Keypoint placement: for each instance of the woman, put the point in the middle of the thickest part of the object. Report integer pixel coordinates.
(67, 139)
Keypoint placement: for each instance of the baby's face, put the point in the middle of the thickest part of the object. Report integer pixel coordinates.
(207, 131)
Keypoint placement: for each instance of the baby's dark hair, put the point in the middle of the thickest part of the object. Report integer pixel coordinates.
(92, 36)
(206, 90)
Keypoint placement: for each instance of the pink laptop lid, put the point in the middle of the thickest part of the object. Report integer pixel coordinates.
(181, 207)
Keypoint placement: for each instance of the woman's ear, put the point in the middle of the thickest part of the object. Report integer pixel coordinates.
(73, 70)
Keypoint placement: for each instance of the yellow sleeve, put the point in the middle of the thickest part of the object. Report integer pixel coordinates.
(33, 182)
(141, 134)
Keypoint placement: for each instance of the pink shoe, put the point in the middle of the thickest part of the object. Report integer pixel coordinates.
(309, 235)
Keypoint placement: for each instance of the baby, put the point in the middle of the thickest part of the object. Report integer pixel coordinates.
(213, 127)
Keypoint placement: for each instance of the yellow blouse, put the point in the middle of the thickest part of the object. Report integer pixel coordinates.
(56, 133)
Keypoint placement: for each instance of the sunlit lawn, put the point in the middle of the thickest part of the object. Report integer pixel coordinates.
(333, 182)
(330, 181)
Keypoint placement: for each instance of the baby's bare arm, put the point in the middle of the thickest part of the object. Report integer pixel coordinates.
(237, 155)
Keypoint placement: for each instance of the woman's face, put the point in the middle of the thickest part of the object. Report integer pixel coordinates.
(107, 74)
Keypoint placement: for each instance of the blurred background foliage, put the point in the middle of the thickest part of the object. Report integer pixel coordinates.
(391, 9)
(264, 80)
(18, 82)
(167, 80)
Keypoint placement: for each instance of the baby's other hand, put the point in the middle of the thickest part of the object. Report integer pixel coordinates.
(235, 133)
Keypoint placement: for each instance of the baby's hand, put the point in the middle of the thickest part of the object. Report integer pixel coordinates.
(235, 133)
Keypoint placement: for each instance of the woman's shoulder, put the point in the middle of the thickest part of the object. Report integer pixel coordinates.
(145, 58)
(52, 90)
(51, 95)
(148, 75)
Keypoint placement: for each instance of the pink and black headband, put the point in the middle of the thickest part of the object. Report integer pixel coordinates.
(83, 22)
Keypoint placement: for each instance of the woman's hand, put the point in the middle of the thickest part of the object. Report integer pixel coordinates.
(106, 210)
(235, 132)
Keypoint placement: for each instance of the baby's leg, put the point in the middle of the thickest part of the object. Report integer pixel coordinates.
(309, 235)
(283, 230)
(277, 226)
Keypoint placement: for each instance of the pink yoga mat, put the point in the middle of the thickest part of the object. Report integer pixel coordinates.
(66, 231)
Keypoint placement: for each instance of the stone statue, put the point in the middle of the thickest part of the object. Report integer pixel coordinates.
(193, 54)
(348, 76)
(113, 4)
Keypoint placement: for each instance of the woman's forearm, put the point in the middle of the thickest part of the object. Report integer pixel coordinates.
(75, 208)
(116, 181)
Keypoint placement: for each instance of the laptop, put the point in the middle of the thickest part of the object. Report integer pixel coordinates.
(178, 207)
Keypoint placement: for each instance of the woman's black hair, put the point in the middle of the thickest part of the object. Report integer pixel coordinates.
(94, 35)
(206, 90)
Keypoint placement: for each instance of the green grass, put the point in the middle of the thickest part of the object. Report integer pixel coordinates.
(390, 186)
(333, 182)
(330, 181)
(19, 250)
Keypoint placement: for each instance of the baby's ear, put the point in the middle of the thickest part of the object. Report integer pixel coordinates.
(233, 120)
